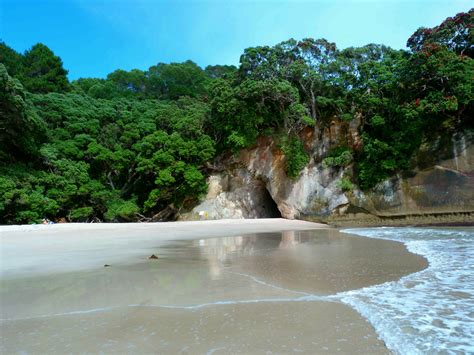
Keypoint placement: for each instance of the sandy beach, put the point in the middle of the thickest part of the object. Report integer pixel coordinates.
(35, 249)
(217, 287)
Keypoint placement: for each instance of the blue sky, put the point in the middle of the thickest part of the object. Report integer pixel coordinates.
(95, 37)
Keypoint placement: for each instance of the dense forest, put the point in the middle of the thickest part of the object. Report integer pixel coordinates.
(140, 144)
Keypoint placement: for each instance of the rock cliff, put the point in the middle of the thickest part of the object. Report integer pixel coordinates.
(253, 184)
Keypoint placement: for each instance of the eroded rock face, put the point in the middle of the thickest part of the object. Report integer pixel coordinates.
(236, 194)
(314, 192)
(443, 188)
(259, 181)
(256, 185)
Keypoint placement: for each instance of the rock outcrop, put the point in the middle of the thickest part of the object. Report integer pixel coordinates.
(442, 193)
(255, 185)
(235, 194)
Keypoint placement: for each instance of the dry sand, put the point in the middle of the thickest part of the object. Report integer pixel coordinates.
(248, 293)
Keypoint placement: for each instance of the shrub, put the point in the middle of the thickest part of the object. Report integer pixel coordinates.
(121, 210)
(345, 184)
(81, 214)
(296, 157)
(338, 157)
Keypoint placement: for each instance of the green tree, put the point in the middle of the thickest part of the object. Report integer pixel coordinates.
(172, 81)
(43, 71)
(131, 83)
(21, 130)
(220, 71)
(12, 60)
(456, 33)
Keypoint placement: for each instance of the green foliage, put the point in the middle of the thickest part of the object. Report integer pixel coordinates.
(338, 157)
(121, 210)
(220, 71)
(43, 71)
(175, 80)
(110, 159)
(12, 60)
(426, 94)
(308, 65)
(38, 69)
(81, 214)
(346, 117)
(455, 33)
(172, 162)
(345, 184)
(376, 121)
(21, 129)
(241, 113)
(22, 196)
(296, 157)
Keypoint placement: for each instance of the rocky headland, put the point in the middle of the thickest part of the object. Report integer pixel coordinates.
(439, 189)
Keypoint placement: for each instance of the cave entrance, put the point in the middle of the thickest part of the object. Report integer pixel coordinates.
(269, 207)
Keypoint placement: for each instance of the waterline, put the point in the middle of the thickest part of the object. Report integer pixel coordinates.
(430, 311)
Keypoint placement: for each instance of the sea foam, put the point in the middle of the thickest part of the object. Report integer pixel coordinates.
(431, 311)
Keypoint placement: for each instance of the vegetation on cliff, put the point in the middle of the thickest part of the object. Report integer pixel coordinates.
(140, 143)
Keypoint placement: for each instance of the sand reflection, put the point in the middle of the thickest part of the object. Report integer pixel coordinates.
(247, 293)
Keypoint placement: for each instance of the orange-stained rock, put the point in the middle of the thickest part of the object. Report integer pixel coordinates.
(255, 184)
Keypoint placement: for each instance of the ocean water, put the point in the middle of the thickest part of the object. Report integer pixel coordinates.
(431, 311)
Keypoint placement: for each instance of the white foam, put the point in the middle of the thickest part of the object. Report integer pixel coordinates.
(431, 311)
(261, 282)
(82, 311)
(308, 298)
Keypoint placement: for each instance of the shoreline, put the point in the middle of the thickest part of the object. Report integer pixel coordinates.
(359, 220)
(238, 226)
(69, 258)
(81, 246)
(446, 281)
(37, 249)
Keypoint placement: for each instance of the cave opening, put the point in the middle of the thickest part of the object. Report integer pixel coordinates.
(269, 206)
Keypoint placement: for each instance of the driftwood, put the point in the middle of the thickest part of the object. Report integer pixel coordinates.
(142, 219)
(166, 214)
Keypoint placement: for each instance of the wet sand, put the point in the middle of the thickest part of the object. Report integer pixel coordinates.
(35, 249)
(249, 293)
(250, 328)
